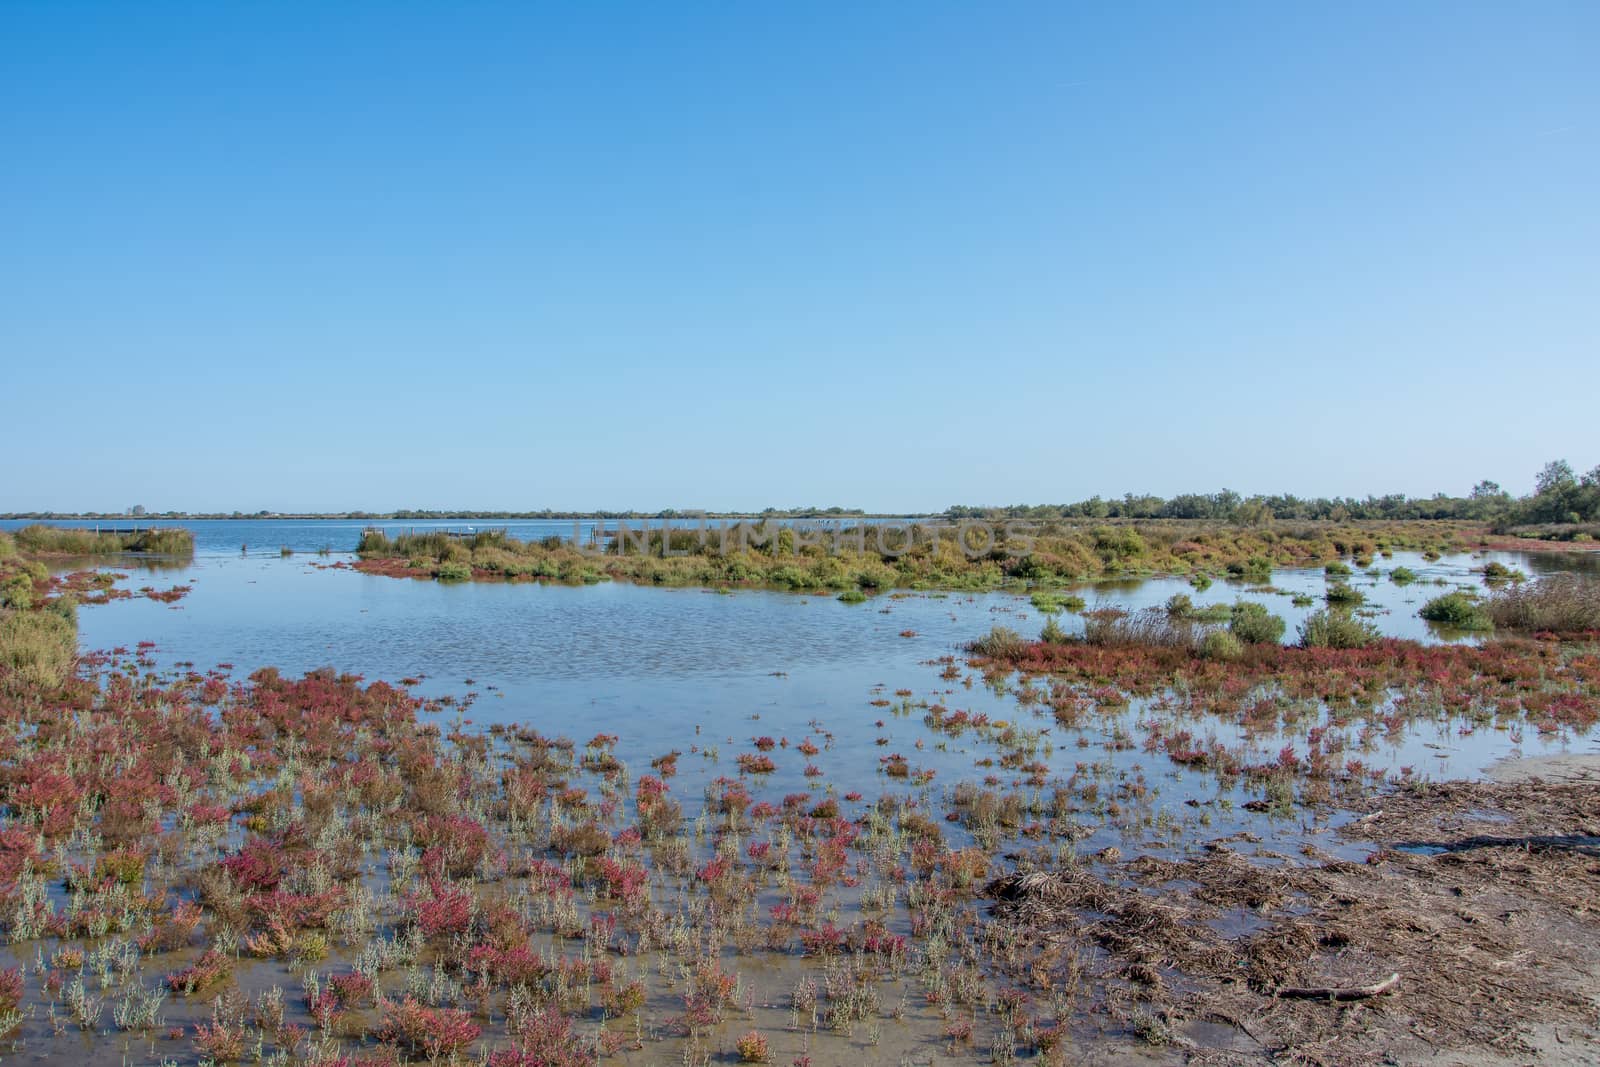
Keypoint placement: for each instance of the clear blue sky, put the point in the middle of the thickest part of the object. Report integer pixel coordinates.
(888, 255)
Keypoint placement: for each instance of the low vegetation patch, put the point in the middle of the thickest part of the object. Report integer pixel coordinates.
(927, 556)
(44, 540)
(1561, 604)
(1457, 610)
(1336, 629)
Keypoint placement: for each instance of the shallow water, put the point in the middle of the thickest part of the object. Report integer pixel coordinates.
(706, 673)
(270, 536)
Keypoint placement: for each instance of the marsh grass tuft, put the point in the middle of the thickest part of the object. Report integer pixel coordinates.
(38, 647)
(1221, 645)
(999, 643)
(1336, 629)
(1458, 610)
(1343, 594)
(1562, 604)
(1496, 572)
(44, 540)
(1150, 627)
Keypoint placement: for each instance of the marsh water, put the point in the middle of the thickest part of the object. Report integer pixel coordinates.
(703, 671)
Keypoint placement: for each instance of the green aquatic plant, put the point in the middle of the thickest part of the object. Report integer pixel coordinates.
(1337, 569)
(1458, 611)
(1179, 606)
(852, 596)
(1342, 594)
(1053, 633)
(1402, 576)
(998, 643)
(1336, 629)
(1047, 603)
(1052, 603)
(1496, 572)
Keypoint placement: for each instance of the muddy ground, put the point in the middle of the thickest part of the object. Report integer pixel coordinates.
(1484, 899)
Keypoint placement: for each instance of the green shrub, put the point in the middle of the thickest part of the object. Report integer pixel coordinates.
(1221, 645)
(1045, 602)
(1336, 629)
(38, 647)
(852, 596)
(1336, 569)
(1179, 606)
(1458, 611)
(999, 643)
(165, 540)
(1200, 582)
(65, 607)
(16, 591)
(1053, 633)
(1119, 542)
(1342, 594)
(792, 577)
(881, 578)
(1402, 576)
(1301, 600)
(377, 543)
(1254, 569)
(1496, 572)
(1253, 624)
(453, 572)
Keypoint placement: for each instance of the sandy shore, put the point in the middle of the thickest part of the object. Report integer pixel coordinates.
(1572, 767)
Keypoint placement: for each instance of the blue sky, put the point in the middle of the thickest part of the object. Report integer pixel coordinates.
(888, 255)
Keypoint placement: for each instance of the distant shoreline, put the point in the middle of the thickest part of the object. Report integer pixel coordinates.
(446, 516)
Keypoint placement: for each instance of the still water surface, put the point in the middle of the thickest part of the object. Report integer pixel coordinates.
(704, 672)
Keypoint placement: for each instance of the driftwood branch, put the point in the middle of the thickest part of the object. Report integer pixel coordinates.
(1360, 992)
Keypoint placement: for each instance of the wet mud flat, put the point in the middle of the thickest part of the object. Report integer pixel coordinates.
(1470, 934)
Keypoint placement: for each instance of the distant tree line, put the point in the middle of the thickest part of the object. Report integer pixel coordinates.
(420, 515)
(1559, 496)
